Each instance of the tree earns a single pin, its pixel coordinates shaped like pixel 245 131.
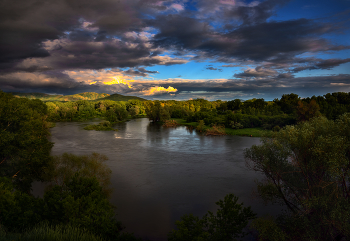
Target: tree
pixel 234 104
pixel 134 111
pixel 288 102
pixel 307 111
pixel 24 146
pixel 81 202
pixel 67 165
pixel 19 210
pixel 156 111
pixel 306 169
pixel 228 223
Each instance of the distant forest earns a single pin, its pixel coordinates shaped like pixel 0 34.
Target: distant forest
pixel 235 114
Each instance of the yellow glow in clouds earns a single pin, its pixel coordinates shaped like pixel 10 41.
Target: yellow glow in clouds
pixel 159 90
pixel 116 81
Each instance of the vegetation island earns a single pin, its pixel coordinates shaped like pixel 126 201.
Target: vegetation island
pixel 304 156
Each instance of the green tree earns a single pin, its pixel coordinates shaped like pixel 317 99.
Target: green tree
pixel 67 165
pixel 81 202
pixel 228 223
pixel 234 104
pixel 306 169
pixel 134 111
pixel 307 111
pixel 288 103
pixel 156 111
pixel 19 210
pixel 24 146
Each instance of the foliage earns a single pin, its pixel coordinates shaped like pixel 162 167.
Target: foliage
pixel 76 97
pixel 81 202
pixel 288 103
pixel 307 111
pixel 44 232
pixel 236 125
pixel 201 126
pixel 253 132
pixel 19 210
pixel 156 111
pixel 24 146
pixel 215 130
pixel 306 168
pixel 102 126
pixel 134 111
pixel 67 165
pixel 170 123
pixel 228 223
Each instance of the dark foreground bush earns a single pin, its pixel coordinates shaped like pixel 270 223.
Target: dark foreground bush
pixel 44 232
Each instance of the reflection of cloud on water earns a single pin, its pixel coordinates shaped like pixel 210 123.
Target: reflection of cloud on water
pixel 128 136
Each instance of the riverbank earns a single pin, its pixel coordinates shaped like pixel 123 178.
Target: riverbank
pixel 253 132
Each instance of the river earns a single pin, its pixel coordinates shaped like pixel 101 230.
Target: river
pixel 160 174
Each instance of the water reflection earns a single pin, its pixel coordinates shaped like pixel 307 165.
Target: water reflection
pixel 160 174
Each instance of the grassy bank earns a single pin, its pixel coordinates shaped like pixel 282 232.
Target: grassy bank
pixel 254 132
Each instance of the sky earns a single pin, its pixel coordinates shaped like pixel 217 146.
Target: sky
pixel 176 49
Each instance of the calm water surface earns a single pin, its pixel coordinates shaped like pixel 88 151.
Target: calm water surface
pixel 160 174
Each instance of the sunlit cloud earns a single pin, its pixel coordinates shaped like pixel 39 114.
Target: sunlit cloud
pixel 177 7
pixel 117 81
pixel 158 90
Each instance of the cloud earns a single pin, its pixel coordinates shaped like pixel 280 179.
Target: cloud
pixel 158 90
pixel 177 7
pixel 74 46
pixel 24 26
pixel 256 73
pixel 246 41
pixel 212 68
pixel 321 64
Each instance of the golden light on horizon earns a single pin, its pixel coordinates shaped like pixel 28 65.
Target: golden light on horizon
pixel 117 80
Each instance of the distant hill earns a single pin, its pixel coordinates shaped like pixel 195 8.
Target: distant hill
pixel 76 97
pixel 118 97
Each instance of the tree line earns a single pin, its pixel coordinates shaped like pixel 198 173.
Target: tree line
pixel 235 114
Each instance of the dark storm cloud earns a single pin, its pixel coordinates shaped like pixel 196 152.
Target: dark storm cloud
pixel 24 25
pixel 322 64
pixel 258 41
pixel 37 82
pixel 42 40
pixel 270 40
pixel 139 72
pixel 180 31
pixel 249 15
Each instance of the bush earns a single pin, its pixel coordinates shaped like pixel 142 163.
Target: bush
pixel 228 224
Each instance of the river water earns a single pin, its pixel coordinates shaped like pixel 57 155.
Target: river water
pixel 160 174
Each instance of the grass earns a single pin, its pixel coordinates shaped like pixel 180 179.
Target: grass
pixel 102 126
pixel 254 132
pixel 170 123
pixel 216 131
pixel 45 232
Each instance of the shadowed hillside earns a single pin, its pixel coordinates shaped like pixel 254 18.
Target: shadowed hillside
pixel 118 97
pixel 76 97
